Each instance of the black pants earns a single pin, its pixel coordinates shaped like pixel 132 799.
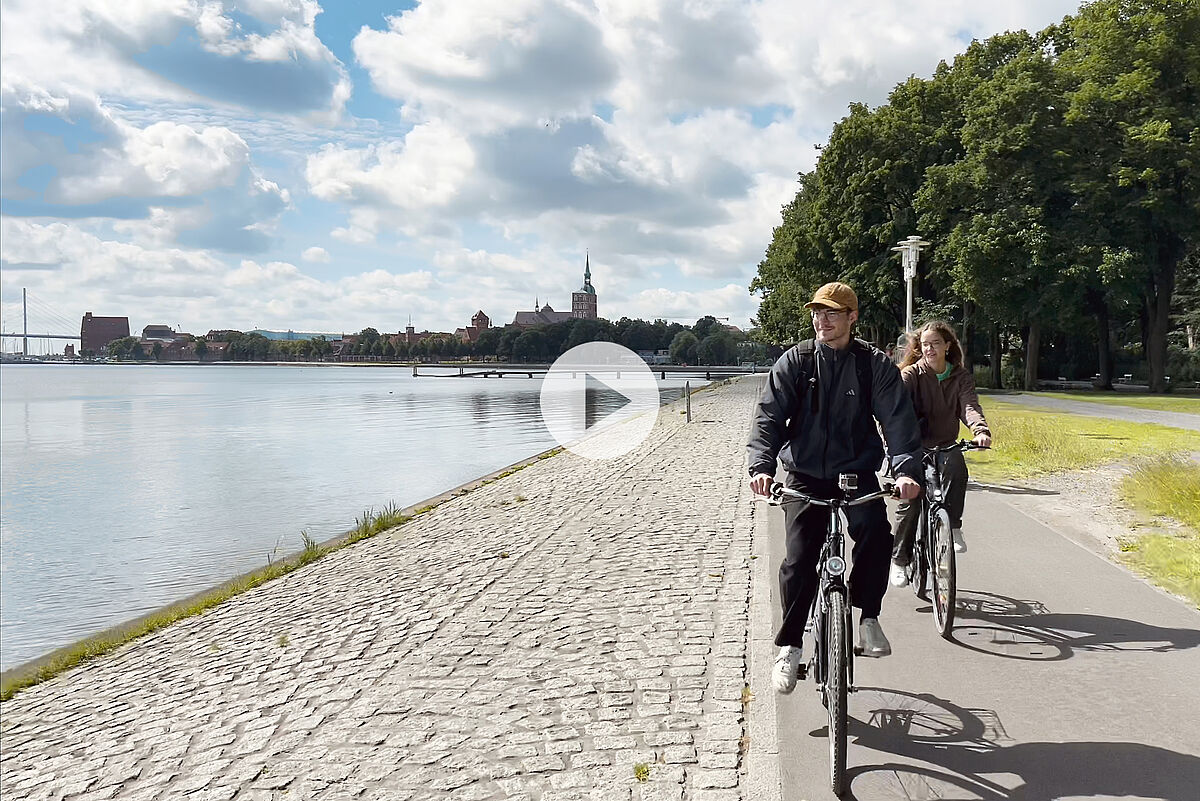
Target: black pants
pixel 806 525
pixel 954 487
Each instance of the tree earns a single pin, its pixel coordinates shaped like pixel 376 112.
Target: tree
pixel 1014 245
pixel 716 348
pixel 683 348
pixel 321 347
pixel 156 351
pixel 1135 106
pixel 201 348
pixel 488 342
pixel 530 346
pixel 504 351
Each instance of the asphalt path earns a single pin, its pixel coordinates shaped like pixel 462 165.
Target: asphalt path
pixel 1110 411
pixel 1067 677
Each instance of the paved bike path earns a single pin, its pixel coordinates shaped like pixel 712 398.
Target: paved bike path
pixel 1067 678
pixel 1107 410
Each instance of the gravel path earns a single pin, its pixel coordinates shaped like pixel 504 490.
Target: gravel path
pixel 1108 410
pixel 536 639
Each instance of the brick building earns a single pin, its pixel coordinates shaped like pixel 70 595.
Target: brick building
pixel 96 332
pixel 480 322
pixel 583 305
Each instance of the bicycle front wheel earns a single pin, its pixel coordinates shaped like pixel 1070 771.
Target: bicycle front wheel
pixel 942 573
pixel 918 566
pixel 836 685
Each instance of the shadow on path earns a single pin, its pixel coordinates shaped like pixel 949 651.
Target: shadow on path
pixel 1007 489
pixel 1018 629
pixel 965 755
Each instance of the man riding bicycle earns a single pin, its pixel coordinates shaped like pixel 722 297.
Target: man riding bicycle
pixel 943 394
pixel 817 416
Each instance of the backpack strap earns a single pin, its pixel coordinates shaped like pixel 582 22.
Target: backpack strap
pixel 862 366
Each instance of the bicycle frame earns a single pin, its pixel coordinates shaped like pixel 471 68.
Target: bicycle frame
pixel 934 561
pixel 832 564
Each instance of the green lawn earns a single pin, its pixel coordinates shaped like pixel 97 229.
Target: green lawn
pixel 1030 441
pixel 1159 403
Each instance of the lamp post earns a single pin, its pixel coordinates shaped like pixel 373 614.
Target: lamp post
pixel 910 252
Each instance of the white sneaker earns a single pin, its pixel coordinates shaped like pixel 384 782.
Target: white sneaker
pixel 872 639
pixel 960 545
pixel 787 668
pixel 899 577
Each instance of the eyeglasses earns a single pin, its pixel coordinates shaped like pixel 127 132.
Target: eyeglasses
pixel 828 315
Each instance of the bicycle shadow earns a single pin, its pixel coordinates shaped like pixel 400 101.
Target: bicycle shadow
pixel 964 750
pixel 1007 489
pixel 1018 629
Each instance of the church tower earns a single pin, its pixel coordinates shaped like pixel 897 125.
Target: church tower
pixel 583 302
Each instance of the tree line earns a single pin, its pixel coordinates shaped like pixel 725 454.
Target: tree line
pixel 707 342
pixel 1057 177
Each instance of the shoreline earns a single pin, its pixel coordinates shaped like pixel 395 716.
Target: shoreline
pixel 122 630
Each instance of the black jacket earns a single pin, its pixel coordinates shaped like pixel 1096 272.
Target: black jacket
pixel 834 438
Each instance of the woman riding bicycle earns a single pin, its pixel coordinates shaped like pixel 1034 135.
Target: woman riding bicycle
pixel 943 393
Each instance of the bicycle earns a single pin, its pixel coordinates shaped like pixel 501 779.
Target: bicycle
pixel 832 659
pixel 933 566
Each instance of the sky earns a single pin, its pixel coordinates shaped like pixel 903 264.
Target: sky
pixel 281 164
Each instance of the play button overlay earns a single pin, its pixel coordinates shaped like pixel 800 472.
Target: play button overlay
pixel 599 400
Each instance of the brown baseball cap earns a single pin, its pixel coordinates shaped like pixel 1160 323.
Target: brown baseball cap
pixel 834 295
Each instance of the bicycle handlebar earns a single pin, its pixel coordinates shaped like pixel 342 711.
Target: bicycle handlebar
pixel 961 445
pixel 778 491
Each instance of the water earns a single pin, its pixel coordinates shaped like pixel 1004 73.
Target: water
pixel 128 487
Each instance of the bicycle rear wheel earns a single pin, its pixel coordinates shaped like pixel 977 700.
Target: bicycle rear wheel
pixel 836 684
pixel 942 573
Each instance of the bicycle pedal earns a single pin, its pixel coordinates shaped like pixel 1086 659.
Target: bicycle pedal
pixel 802 673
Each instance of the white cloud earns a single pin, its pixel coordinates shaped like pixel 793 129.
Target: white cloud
pixel 318 254
pixel 401 182
pixel 483 64
pixel 81 270
pixel 155 50
pixel 195 187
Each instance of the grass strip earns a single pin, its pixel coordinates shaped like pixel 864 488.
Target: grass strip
pixel 1030 442
pixel 1167 486
pixel 367 525
pixel 1172 561
pixel 1158 403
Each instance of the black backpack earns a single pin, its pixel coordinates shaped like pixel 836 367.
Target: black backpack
pixel 807 388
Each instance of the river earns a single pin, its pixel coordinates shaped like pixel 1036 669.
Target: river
pixel 128 487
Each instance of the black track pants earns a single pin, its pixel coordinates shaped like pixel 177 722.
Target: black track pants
pixel 806 526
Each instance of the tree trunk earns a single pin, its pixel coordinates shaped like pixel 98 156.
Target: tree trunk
pixel 1104 364
pixel 1158 312
pixel 1191 338
pixel 1033 343
pixel 997 376
pixel 964 337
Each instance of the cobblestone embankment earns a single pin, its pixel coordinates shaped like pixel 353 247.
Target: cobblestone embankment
pixel 552 636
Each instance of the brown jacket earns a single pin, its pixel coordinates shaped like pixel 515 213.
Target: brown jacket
pixel 939 408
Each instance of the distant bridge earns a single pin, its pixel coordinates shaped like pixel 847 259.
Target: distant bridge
pixel 499 370
pixel 45 317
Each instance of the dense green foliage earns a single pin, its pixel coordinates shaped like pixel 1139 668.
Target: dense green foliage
pixel 1057 176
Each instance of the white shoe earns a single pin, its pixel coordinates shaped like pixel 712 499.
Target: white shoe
pixel 899 576
pixel 872 639
pixel 787 668
pixel 960 545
